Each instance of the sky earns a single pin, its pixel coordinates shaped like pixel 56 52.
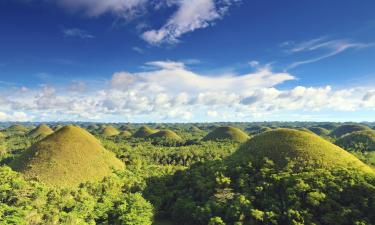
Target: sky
pixel 187 60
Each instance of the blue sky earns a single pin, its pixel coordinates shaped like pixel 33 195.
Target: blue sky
pixel 181 61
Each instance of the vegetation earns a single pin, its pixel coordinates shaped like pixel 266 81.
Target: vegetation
pixel 68 157
pixel 175 176
pixel 347 129
pixel 226 133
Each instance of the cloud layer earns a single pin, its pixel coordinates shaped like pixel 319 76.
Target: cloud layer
pixel 172 92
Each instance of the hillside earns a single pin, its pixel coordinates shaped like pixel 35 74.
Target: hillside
pixel 358 141
pixel 302 148
pixel 226 133
pixel 109 131
pixel 165 134
pixel 143 132
pixel 40 132
pixel 348 128
pixel 319 131
pixel 68 157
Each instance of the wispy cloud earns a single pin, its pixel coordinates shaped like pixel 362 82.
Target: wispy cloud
pixel 330 48
pixel 191 15
pixel 77 33
pixel 138 49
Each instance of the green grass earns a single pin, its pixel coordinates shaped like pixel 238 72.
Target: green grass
pixel 66 158
pixel 302 148
pixel 348 128
pixel 143 132
pixel 109 131
pixel 166 134
pixel 227 133
pixel 40 132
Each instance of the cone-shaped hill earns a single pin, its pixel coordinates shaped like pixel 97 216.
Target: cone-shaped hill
pixel 67 158
pixel 348 128
pixel 109 131
pixel 125 134
pixel 302 148
pixel 319 131
pixel 17 128
pixel 358 141
pixel 40 132
pixel 166 134
pixel 227 133
pixel 143 132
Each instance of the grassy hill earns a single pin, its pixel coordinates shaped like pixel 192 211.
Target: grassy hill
pixel 143 132
pixel 109 131
pixel 125 134
pixel 358 141
pixel 302 148
pixel 319 131
pixel 40 132
pixel 66 158
pixel 226 133
pixel 348 128
pixel 16 128
pixel 166 134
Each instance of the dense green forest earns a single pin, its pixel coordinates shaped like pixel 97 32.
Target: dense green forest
pixel 166 174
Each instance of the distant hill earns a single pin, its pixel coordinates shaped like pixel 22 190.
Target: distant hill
pixel 67 158
pixel 16 128
pixel 125 134
pixel 348 128
pixel 319 131
pixel 302 148
pixel 40 132
pixel 143 132
pixel 358 141
pixel 226 133
pixel 166 134
pixel 109 131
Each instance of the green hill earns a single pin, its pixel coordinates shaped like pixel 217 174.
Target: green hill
pixel 40 132
pixel 66 158
pixel 143 132
pixel 109 131
pixel 227 133
pixel 348 128
pixel 358 141
pixel 125 134
pixel 319 131
pixel 166 134
pixel 302 148
pixel 125 128
pixel 16 128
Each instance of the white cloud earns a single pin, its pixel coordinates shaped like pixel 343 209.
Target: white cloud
pixel 191 15
pixel 171 92
pixel 120 8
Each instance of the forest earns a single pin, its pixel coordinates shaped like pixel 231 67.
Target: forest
pixel 190 174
